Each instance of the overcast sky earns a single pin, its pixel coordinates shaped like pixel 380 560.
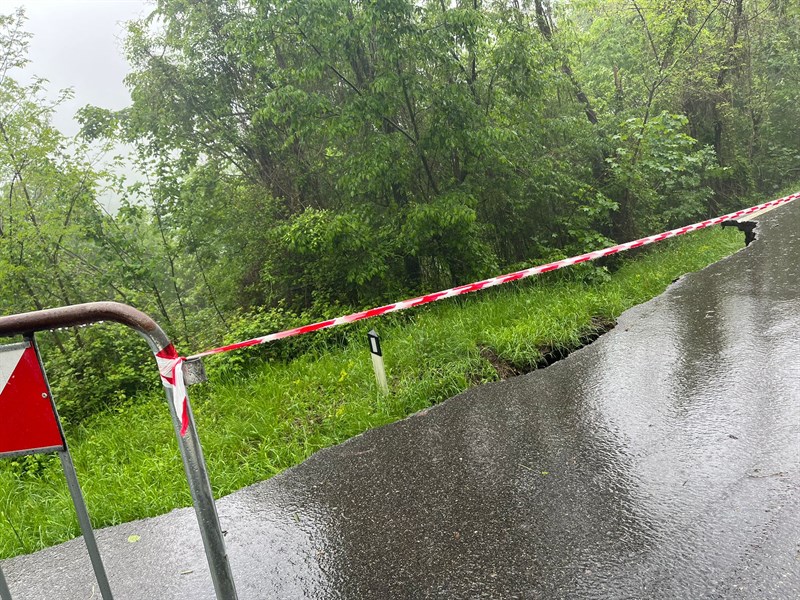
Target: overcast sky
pixel 78 44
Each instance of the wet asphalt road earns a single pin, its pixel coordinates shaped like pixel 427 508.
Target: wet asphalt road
pixel 662 461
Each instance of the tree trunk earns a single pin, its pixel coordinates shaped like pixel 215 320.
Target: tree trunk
pixel 545 26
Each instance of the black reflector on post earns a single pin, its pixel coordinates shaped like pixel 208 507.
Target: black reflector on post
pixel 377 361
pixel 374 343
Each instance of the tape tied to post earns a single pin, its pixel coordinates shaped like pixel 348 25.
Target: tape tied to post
pixel 170 366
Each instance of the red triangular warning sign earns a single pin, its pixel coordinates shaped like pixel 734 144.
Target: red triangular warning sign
pixel 28 420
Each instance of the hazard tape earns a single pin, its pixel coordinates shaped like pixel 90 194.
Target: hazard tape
pixel 486 283
pixel 170 366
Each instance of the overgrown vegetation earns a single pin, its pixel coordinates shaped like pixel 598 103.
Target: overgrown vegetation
pixel 255 423
pixel 304 158
pixel 297 159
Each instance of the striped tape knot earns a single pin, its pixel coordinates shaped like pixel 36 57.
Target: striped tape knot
pixel 170 366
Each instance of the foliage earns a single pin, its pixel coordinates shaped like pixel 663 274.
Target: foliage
pixel 99 372
pixel 348 152
pixel 300 159
pixel 303 158
pixel 254 425
pixel 396 147
pixel 659 164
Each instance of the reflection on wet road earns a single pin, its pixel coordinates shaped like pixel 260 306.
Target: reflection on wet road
pixel 662 461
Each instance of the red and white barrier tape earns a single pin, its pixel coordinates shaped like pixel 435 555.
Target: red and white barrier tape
pixel 170 366
pixel 479 285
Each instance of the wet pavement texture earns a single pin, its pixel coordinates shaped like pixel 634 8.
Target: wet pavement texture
pixel 659 462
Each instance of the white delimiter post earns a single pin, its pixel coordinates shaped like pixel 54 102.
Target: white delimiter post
pixel 377 361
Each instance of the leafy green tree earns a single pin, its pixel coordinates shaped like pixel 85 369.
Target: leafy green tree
pixel 372 147
pixel 297 158
pixel 54 238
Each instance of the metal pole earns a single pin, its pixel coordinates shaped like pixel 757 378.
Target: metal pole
pixel 204 506
pixel 86 525
pixel 77 496
pixel 4 593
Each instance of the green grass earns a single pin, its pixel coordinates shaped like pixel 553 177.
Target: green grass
pixel 255 426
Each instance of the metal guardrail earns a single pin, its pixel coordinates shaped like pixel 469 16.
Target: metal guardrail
pixel 27 324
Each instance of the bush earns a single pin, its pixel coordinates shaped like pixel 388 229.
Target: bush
pixel 96 369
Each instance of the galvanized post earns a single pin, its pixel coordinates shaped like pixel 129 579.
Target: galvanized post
pixel 77 496
pixel 4 593
pixel 204 505
pixel 86 525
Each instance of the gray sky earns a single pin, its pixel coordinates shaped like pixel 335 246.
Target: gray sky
pixel 78 44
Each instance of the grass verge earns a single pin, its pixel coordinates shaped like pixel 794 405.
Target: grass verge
pixel 257 425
